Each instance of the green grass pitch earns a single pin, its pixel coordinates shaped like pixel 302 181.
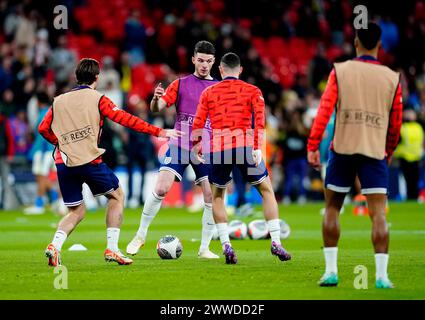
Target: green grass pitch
pixel 24 273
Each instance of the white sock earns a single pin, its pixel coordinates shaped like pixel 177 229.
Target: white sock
pixel 274 230
pixel 208 226
pixel 331 257
pixel 223 233
pixel 112 236
pixel 58 239
pixel 152 205
pixel 381 263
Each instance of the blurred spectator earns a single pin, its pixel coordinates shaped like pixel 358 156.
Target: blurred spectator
pixel 301 85
pixel 6 76
pixel 108 76
pixel 140 152
pixel 25 31
pixel 319 67
pixel 42 163
pixel 6 104
pixel 312 104
pixel 21 133
pixel 270 87
pixel 11 21
pixel 41 53
pixel 23 82
pixel 410 151
pixel 7 152
pixel 135 37
pixel 295 161
pixel 62 62
pixel 125 74
pixel 390 36
pixel 421 108
pixel 109 83
pixel 336 20
pixel 307 26
pixel 347 53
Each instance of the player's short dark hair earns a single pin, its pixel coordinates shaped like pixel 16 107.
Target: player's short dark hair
pixel 231 60
pixel 42 97
pixel 87 70
pixel 205 47
pixel 369 37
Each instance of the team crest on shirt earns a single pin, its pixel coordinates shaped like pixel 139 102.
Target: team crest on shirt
pixel 167 160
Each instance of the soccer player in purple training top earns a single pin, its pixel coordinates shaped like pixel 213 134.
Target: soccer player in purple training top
pixel 184 93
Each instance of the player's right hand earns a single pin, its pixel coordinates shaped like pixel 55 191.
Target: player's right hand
pixel 257 156
pixel 197 150
pixel 313 158
pixel 159 91
pixel 171 133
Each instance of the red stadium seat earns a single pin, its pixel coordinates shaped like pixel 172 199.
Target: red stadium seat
pixel 112 51
pixel 333 53
pixel 85 19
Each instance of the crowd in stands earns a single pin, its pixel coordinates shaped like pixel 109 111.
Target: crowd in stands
pixel 287 49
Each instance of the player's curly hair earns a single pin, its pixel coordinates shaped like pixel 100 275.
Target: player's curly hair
pixel 205 47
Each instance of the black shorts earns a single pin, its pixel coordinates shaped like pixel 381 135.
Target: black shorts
pixel 223 163
pixel 100 179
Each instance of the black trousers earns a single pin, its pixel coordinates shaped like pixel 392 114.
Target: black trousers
pixel 410 172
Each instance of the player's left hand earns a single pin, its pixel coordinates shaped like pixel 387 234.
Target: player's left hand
pixel 257 156
pixel 313 158
pixel 171 133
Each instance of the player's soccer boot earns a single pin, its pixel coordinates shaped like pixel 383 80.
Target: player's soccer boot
pixel 134 245
pixel 229 254
pixel 277 250
pixel 117 256
pixel 53 255
pixel 207 254
pixel 383 284
pixel 329 280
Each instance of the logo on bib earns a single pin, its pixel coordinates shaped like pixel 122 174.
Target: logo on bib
pixel 76 135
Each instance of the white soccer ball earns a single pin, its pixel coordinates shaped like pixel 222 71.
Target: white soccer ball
pixel 169 247
pixel 237 229
pixel 285 230
pixel 257 229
